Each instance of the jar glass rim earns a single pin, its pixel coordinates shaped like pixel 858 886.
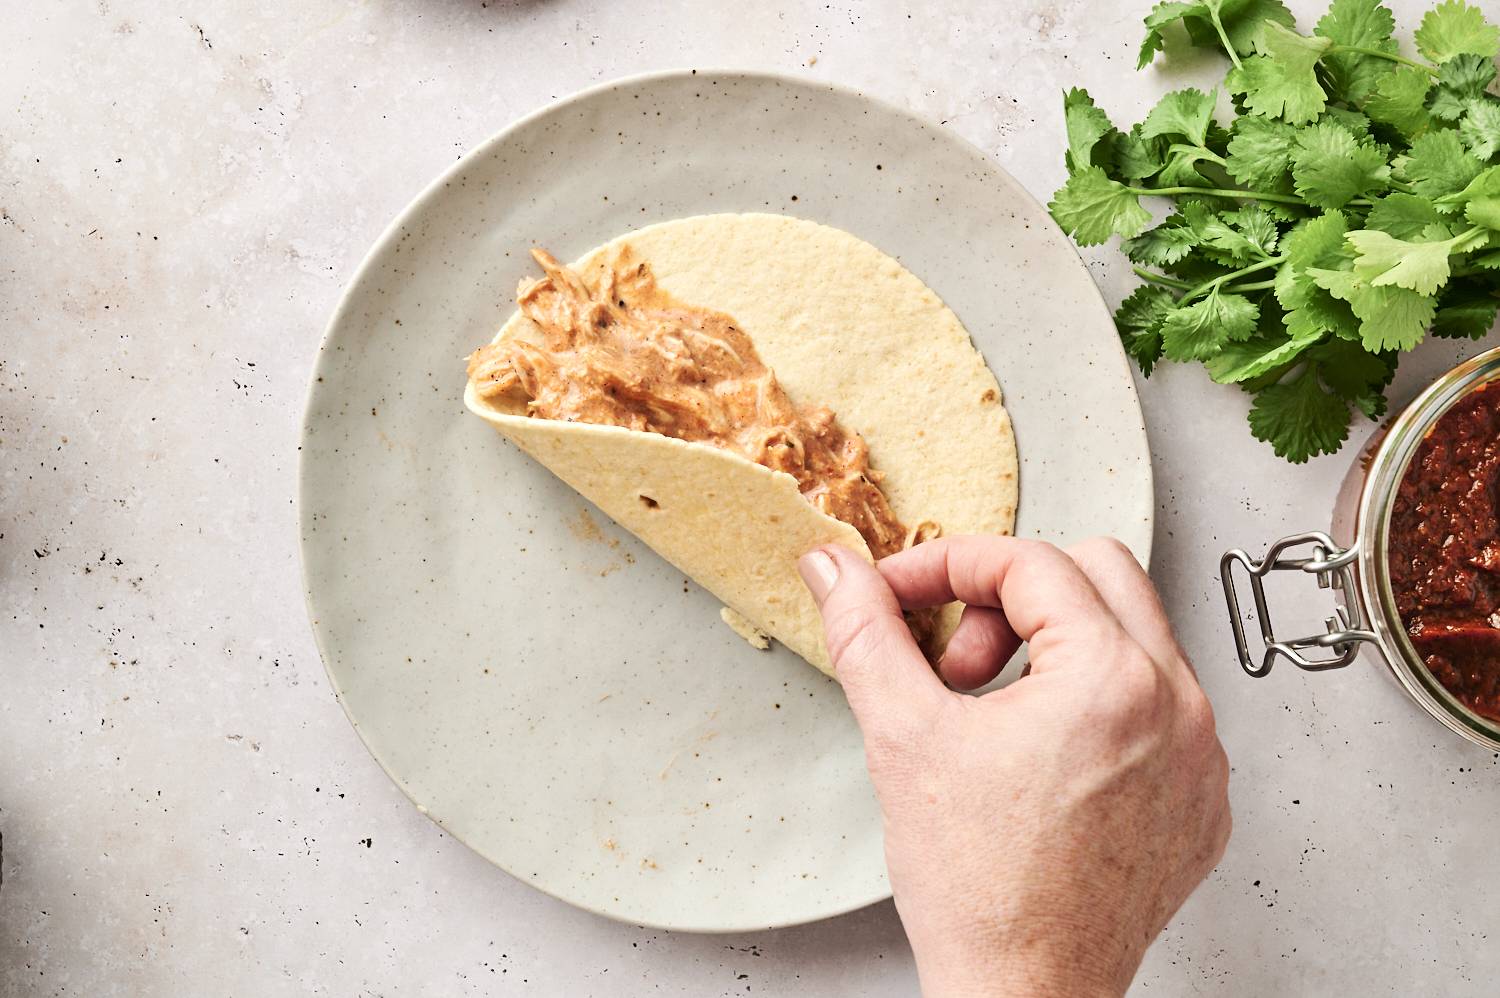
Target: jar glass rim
pixel 1386 471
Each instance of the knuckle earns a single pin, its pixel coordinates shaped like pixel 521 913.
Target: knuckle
pixel 1200 727
pixel 1102 548
pixel 1143 688
pixel 1037 548
pixel 1132 696
pixel 1219 835
pixel 1221 773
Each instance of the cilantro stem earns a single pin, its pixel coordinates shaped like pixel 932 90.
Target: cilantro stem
pixel 1219 192
pixel 1253 286
pixel 1393 57
pixel 1213 15
pixel 1219 282
pixel 1161 279
pixel 1172 282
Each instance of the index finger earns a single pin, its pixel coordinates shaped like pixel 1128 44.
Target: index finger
pixel 1034 583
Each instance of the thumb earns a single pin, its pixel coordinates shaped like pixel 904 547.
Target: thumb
pixel 873 652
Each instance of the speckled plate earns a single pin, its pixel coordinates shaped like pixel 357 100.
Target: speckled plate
pixel 537 681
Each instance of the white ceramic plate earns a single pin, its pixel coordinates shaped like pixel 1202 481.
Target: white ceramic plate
pixel 539 683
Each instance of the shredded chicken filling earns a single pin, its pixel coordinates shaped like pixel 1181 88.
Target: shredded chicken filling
pixel 626 354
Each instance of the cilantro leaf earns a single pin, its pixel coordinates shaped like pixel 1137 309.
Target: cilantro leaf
pixel 1086 125
pixel 1186 113
pixel 1220 242
pixel 1356 123
pixel 1331 167
pixel 1321 313
pixel 1260 150
pixel 1200 330
pixel 1282 82
pixel 1181 168
pixel 1460 80
pixel 1382 260
pixel 1360 24
pixel 1349 370
pixel 1437 165
pixel 1091 208
pixel 1480 199
pixel 1242 20
pixel 1139 320
pixel 1256 225
pixel 1165 244
pixel 1299 419
pixel 1453 28
pixel 1480 128
pixel 1404 216
pixel 1467 311
pixel 1390 318
pixel 1339 316
pixel 1137 158
pixel 1164 13
pixel 1485 183
pixel 1241 236
pixel 1400 100
pixel 1484 211
pixel 1261 354
pixel 1316 243
pixel 1354 374
pixel 1199 268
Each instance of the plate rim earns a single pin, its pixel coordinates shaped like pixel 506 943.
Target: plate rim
pixel 380 247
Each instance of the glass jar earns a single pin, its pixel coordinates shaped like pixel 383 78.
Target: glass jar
pixel 1351 560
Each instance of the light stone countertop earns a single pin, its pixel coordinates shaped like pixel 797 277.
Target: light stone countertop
pixel 184 190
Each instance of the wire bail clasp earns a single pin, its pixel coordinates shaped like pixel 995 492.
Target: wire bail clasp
pixel 1332 566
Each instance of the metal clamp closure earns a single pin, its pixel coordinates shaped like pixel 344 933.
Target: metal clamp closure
pixel 1333 567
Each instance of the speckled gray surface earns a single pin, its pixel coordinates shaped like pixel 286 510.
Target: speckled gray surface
pixel 184 809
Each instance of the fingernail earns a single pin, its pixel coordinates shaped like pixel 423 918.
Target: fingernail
pixel 819 573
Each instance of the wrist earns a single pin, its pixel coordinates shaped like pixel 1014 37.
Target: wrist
pixel 1012 981
pixel 1070 963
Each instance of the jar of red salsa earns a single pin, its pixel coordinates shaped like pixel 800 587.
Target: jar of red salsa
pixel 1412 558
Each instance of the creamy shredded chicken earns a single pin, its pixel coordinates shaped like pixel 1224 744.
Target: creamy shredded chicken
pixel 626 354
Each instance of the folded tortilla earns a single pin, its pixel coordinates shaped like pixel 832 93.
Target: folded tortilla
pixel 842 325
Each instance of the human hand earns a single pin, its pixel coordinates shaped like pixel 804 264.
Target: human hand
pixel 1040 836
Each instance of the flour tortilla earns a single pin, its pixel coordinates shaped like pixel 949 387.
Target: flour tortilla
pixel 843 325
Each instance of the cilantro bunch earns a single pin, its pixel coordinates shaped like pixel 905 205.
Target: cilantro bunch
pixel 1352 205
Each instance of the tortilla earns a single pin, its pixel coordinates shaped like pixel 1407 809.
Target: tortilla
pixel 841 324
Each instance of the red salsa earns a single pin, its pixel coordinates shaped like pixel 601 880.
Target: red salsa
pixel 1445 550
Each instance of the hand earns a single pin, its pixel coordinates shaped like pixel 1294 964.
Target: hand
pixel 1040 836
